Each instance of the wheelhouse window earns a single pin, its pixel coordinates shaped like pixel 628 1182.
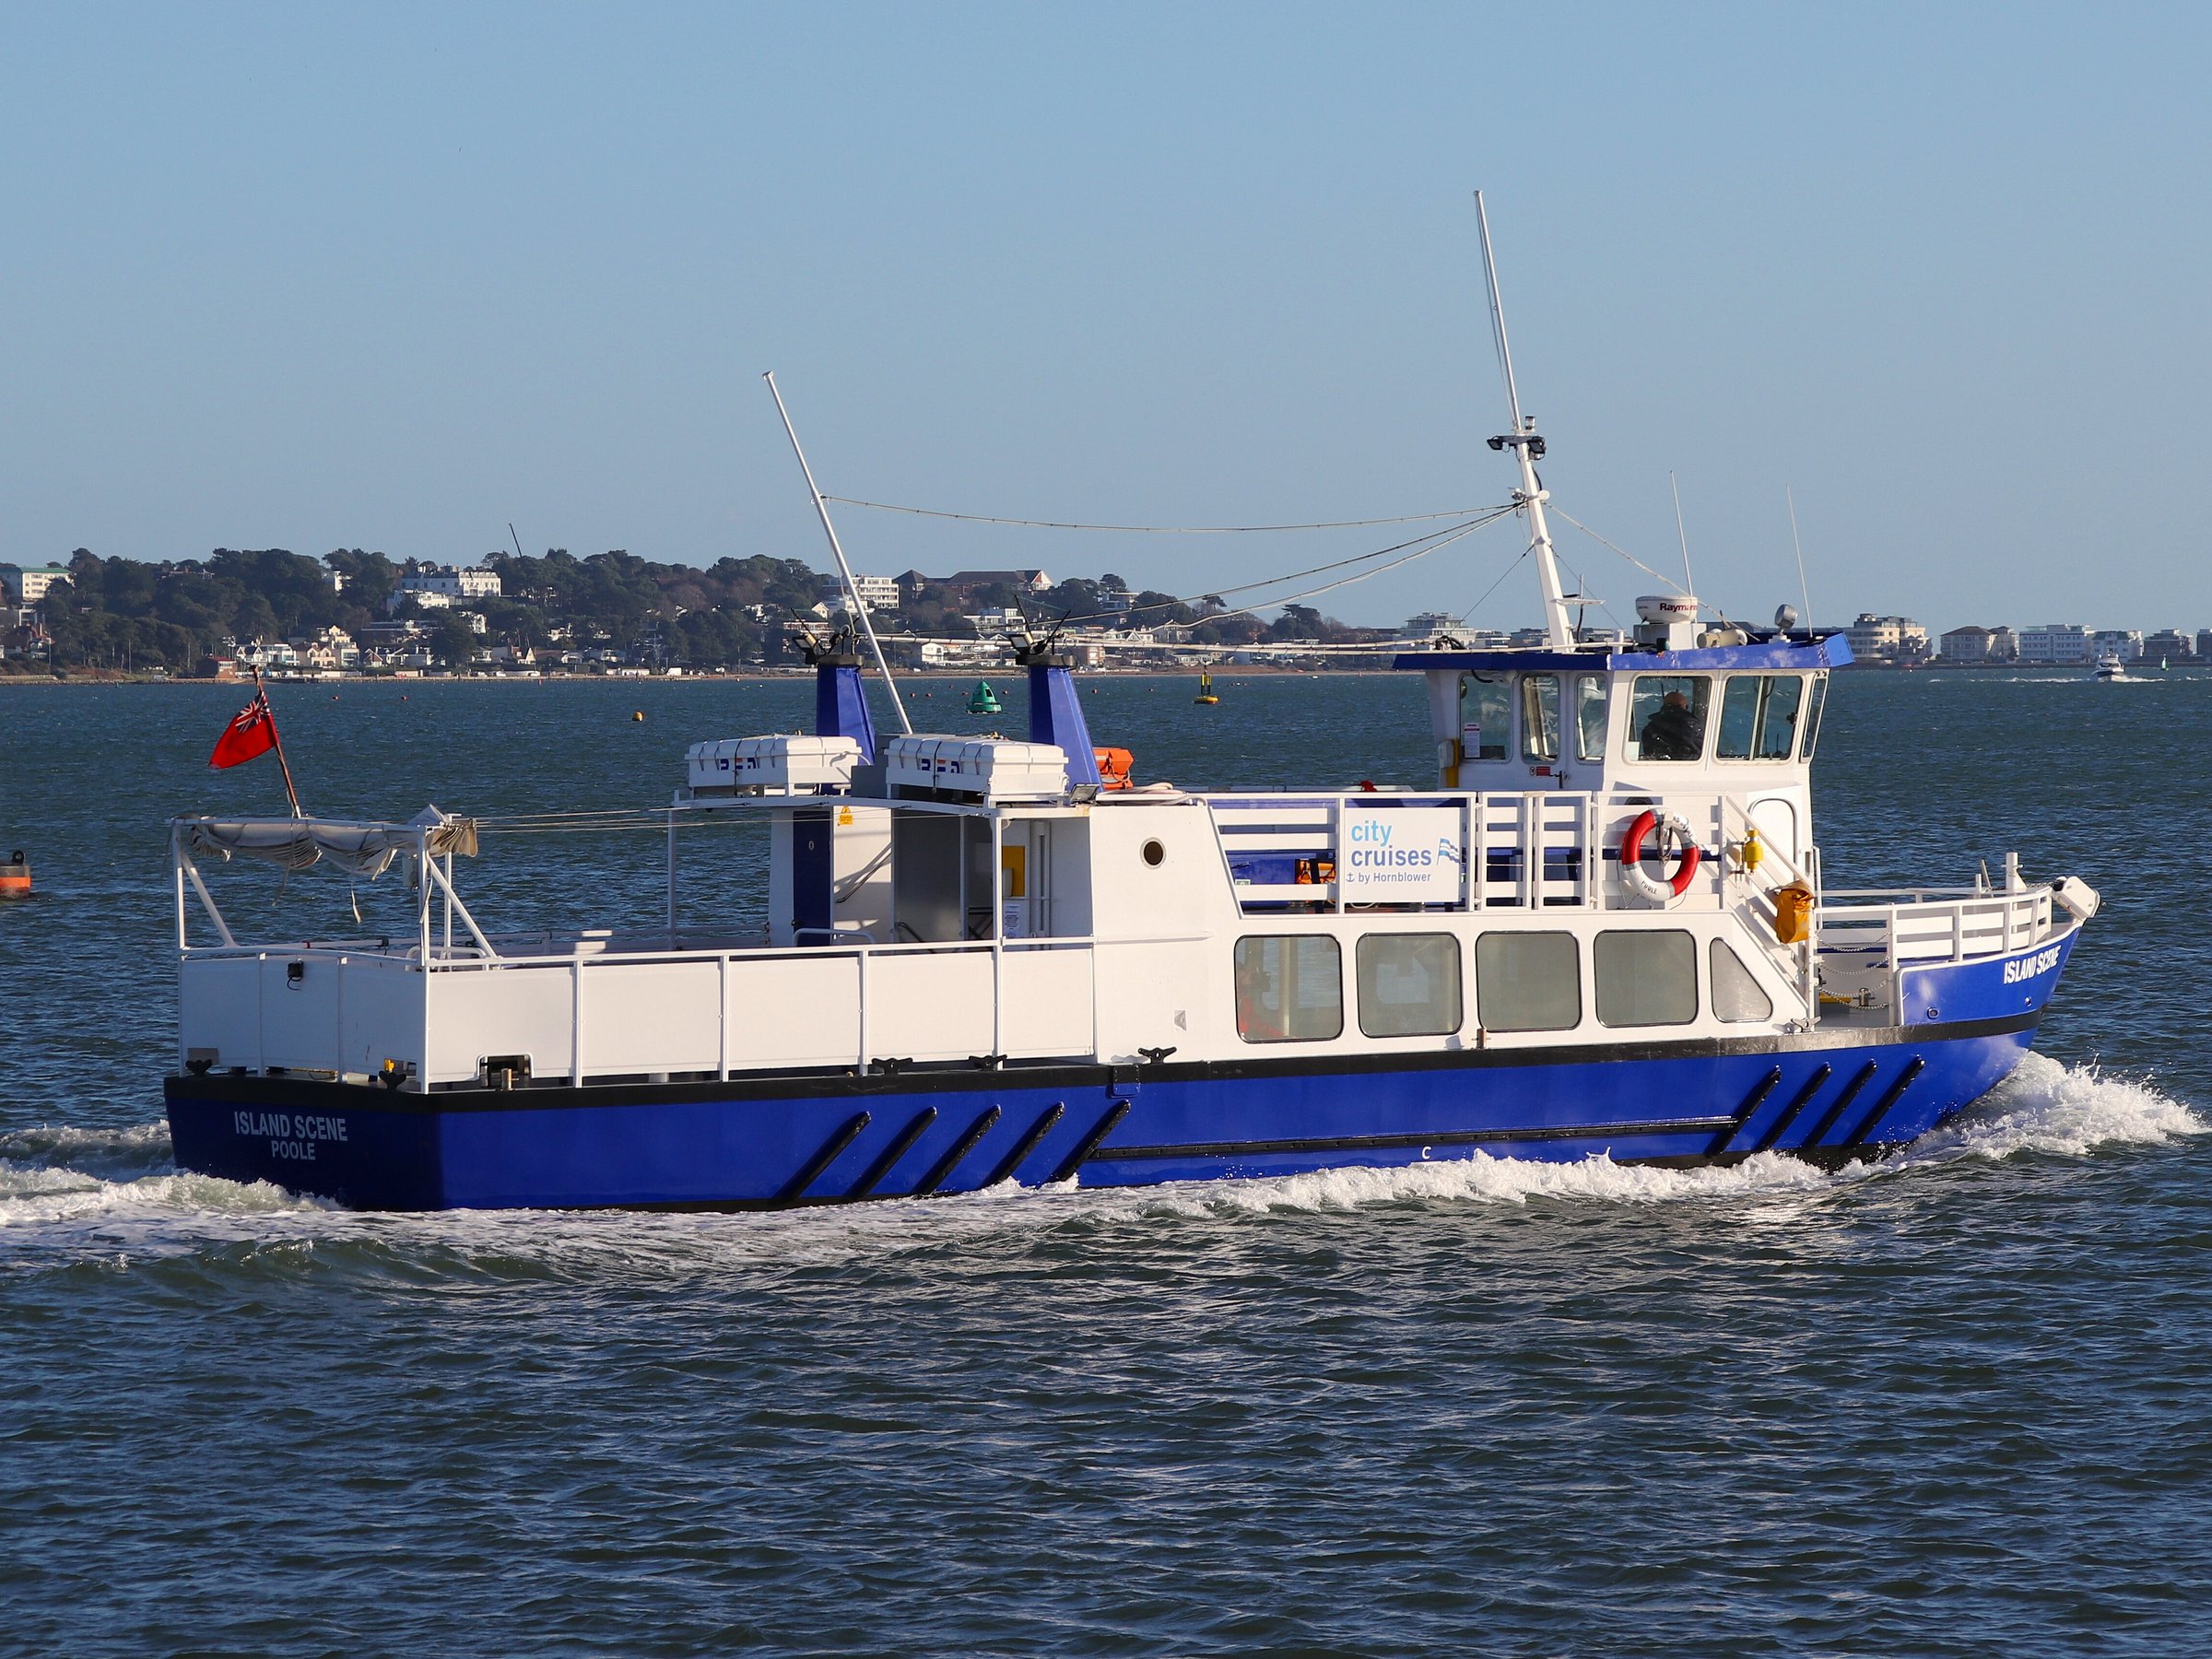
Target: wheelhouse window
pixel 1646 976
pixel 1540 717
pixel 1759 717
pixel 1666 716
pixel 1528 981
pixel 1408 984
pixel 1813 704
pixel 1589 718
pixel 1289 988
pixel 1486 714
pixel 1736 997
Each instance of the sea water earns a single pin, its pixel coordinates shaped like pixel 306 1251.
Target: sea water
pixel 1952 1404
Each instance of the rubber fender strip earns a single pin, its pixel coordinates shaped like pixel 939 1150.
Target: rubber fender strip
pixel 1752 1102
pixel 1889 1098
pixel 1075 1160
pixel 1789 1113
pixel 1027 1144
pixel 843 1136
pixel 1851 1092
pixel 891 1154
pixel 942 1170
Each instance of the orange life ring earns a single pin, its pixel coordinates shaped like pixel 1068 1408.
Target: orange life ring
pixel 1673 830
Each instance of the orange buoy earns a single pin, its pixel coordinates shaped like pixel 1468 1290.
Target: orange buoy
pixel 15 877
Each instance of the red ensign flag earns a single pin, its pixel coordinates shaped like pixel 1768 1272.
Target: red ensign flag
pixel 252 731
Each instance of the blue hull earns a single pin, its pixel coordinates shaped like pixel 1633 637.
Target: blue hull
pixel 1829 1095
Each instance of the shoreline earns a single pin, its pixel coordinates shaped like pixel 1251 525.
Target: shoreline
pixel 110 676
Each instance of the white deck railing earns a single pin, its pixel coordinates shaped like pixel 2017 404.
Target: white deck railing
pixel 1911 927
pixel 1519 849
pixel 347 1010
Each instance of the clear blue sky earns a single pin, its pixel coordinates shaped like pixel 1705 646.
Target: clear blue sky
pixel 388 277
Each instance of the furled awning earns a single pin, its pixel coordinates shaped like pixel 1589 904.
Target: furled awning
pixel 359 849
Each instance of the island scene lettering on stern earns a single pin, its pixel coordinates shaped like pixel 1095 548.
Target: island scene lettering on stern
pixel 290 1134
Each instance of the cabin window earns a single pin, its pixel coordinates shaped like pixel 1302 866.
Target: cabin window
pixel 1540 717
pixel 1408 984
pixel 1778 708
pixel 1813 704
pixel 1589 718
pixel 1666 716
pixel 1646 976
pixel 1289 988
pixel 1528 981
pixel 1739 713
pixel 1736 997
pixel 1486 710
pixel 1759 717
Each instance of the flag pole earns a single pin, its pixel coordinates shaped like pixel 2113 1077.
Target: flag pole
pixel 277 737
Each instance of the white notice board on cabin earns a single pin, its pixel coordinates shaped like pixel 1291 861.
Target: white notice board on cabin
pixel 1401 855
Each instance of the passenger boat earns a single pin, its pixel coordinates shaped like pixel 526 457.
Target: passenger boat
pixel 1600 928
pixel 2109 668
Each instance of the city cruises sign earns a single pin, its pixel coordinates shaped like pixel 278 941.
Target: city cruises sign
pixel 1402 855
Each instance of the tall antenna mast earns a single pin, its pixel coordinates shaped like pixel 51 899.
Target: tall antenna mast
pixel 1691 589
pixel 1528 449
pixel 1803 592
pixel 860 608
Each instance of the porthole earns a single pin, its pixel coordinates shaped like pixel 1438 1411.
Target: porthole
pixel 1155 854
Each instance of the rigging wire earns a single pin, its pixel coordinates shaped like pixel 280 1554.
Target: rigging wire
pixel 1498 583
pixel 1719 614
pixel 1437 538
pixel 1673 585
pixel 979 518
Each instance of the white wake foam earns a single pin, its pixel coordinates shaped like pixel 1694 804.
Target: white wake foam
pixel 1485 1179
pixel 2069 1111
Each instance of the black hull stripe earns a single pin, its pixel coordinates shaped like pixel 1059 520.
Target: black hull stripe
pixel 1842 1104
pixel 1071 1074
pixel 1752 1102
pixel 1881 1107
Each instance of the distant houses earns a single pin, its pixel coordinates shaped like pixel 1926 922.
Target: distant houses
pixel 2068 644
pixel 27 585
pixel 1887 639
pixel 441 587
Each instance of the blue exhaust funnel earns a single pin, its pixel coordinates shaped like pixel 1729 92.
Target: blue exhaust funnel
pixel 840 702
pixel 1056 711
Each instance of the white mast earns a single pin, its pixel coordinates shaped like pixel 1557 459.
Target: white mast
pixel 860 608
pixel 1528 449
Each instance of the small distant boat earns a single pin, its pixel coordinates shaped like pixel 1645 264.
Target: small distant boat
pixel 984 701
pixel 1205 688
pixel 15 877
pixel 2109 668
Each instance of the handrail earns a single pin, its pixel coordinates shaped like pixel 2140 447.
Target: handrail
pixel 1944 930
pixel 1799 958
pixel 1916 894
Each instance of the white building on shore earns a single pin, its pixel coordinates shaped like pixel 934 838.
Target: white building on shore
pixel 1974 644
pixel 2055 643
pixel 434 585
pixel 2127 644
pixel 1887 639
